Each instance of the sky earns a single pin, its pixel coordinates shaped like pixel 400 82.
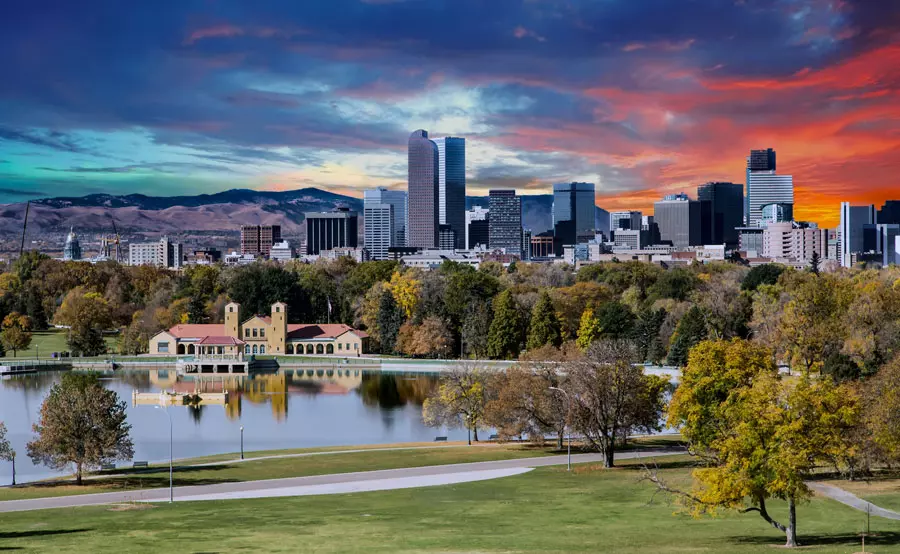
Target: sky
pixel 640 97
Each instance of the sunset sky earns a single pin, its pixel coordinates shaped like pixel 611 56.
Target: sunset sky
pixel 641 97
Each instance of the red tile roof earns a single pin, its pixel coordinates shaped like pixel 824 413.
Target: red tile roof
pixel 301 331
pixel 197 330
pixel 309 331
pixel 221 341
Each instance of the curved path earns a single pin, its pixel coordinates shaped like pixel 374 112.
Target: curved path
pixel 850 499
pixel 338 483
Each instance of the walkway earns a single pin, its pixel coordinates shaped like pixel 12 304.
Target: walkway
pixel 850 499
pixel 326 484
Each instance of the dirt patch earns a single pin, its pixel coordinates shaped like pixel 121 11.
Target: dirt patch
pixel 129 506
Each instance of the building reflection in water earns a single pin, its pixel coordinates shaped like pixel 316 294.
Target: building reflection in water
pixel 378 390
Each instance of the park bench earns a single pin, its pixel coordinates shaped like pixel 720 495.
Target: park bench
pixel 440 439
pixel 140 464
pixel 106 467
pixel 494 437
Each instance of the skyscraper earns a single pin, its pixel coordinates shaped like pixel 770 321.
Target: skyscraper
pixel 726 211
pixel 477 227
pixel 423 182
pixel 452 185
pixel 257 240
pixel 678 218
pixel 575 202
pixel 505 222
pixel 378 222
pixel 330 230
pixel 398 200
pixel 625 220
pixel 855 222
pixel 889 212
pixel 764 186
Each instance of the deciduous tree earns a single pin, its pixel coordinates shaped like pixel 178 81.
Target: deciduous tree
pixel 81 423
pixel 459 400
pixel 589 330
pixel 7 454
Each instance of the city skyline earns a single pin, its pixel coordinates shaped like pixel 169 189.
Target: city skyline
pixel 190 101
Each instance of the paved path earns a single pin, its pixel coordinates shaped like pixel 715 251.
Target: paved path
pixel 850 499
pixel 335 483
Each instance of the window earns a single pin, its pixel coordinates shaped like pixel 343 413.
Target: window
pixel 262 348
pixel 247 349
pixel 231 309
pixel 339 346
pixel 262 332
pixel 254 349
pixel 348 346
pixel 355 347
pixel 163 347
pixel 254 331
pixel 277 309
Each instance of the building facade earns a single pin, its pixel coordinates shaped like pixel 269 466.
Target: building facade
pixel 625 220
pixel 889 212
pixel 765 187
pixel 477 227
pixel 854 224
pixel 759 160
pixel 257 240
pixel 258 335
pixel 378 232
pixel 72 248
pixel 726 211
pixel 423 181
pixel 887 241
pixel 452 186
pixel 575 202
pixel 505 222
pixel 162 253
pixel 795 242
pixel 542 245
pixel 281 251
pixel 329 230
pixel 776 213
pixel 446 237
pixel 678 219
pixel 398 199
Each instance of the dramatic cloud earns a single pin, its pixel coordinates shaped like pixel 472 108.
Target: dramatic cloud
pixel 641 98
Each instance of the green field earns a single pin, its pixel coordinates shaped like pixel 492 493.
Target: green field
pixel 546 510
pixel 46 343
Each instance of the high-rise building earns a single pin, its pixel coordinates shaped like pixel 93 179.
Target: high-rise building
pixel 505 221
pixel 396 198
pixel 855 222
pixel 526 244
pixel 477 227
pixel 423 182
pixel 776 213
pixel 72 248
pixel 575 202
pixel 162 253
pixel 649 226
pixel 794 241
pixel 629 220
pixel 678 218
pixel 281 251
pixel 761 160
pixel 257 240
pixel 889 212
pixel 888 243
pixel 446 237
pixel 765 187
pixel 452 185
pixel 726 211
pixel 542 245
pixel 379 233
pixel 601 220
pixel 330 230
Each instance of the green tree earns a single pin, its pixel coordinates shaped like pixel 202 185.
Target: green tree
pixel 690 331
pixel 766 274
pixel 15 333
pixel 505 335
pixel 476 328
pixel 7 454
pixel 841 368
pixel 616 320
pixel 87 315
pixel 589 330
pixel 259 285
pixel 458 401
pixel 814 263
pixel 390 319
pixel 646 335
pixel 81 423
pixel 544 328
pixel 197 310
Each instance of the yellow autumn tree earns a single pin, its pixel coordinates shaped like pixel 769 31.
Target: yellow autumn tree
pixel 406 287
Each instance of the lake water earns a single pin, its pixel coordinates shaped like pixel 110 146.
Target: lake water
pixel 290 409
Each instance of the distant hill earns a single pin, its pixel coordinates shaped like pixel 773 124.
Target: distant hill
pixel 209 212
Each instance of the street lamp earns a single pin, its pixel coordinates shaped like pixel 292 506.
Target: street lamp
pixel 14 467
pixel 242 442
pixel 171 485
pixel 568 432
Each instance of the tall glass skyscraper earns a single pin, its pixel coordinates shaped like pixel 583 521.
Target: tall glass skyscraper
pixel 452 186
pixel 764 186
pixel 856 221
pixel 574 202
pixel 505 221
pixel 423 182
pixel 398 200
pixel 726 211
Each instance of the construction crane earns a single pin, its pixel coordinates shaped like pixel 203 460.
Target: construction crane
pixel 24 226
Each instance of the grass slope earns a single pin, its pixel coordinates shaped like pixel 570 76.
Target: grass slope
pixel 46 343
pixel 546 510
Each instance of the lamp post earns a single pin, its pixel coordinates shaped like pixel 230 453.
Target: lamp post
pixel 568 432
pixel 242 442
pixel 171 485
pixel 14 468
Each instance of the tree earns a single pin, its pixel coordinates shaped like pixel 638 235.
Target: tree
pixel 524 404
pixel 197 312
pixel 616 320
pixel 690 331
pixel 505 335
pixel 725 308
pixel 766 274
pixel 646 335
pixel 458 401
pixel 390 319
pixel 611 397
pixel 814 263
pixel 811 327
pixel 259 285
pixel 841 368
pixel 7 454
pixel 432 339
pixel 760 437
pixel 15 334
pixel 881 411
pixel 81 423
pixel 407 290
pixel 589 330
pixel 544 328
pixel 476 326
pixel 87 315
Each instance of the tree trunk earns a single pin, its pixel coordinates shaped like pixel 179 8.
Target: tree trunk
pixel 609 454
pixel 78 473
pixel 559 440
pixel 475 432
pixel 791 530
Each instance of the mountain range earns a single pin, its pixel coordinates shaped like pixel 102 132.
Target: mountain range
pixel 221 211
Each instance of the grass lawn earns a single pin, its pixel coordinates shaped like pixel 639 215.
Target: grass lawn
pixel 546 510
pixel 47 342
pixel 882 490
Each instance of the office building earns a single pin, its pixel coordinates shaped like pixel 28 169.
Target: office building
pixel 446 237
pixel 205 256
pixel 505 221
pixel 758 160
pixel 750 241
pixel 257 240
pixel 625 220
pixel 330 230
pixel 889 212
pixel 378 231
pixel 765 187
pixel 281 251
pixel 542 245
pixel 776 213
pixel 887 242
pixel 162 253
pixel 575 202
pixel 72 248
pixel 601 220
pixel 398 199
pixel 794 241
pixel 856 222
pixel 630 238
pixel 526 244
pixel 651 230
pixel 452 186
pixel 726 211
pixel 477 227
pixel 423 187
pixel 678 218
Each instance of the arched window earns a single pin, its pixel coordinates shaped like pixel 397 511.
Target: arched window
pixel 191 349
pixel 180 349
pixel 309 349
pixel 262 348
pixel 329 349
pixel 247 349
pixel 254 349
pixel 289 349
pixel 319 349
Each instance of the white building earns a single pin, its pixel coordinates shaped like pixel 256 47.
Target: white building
pixel 625 220
pixel 378 221
pixel 239 259
pixel 281 251
pixel 432 258
pixel 765 187
pixel 629 238
pixel 791 241
pixel 163 253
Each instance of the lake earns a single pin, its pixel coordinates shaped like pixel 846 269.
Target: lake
pixel 288 409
